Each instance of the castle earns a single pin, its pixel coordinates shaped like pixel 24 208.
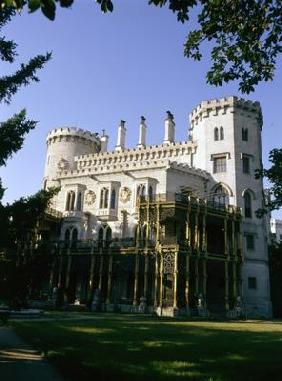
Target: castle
pixel 169 228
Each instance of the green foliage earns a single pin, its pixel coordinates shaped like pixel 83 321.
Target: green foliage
pixel 246 35
pixel 274 176
pixel 19 219
pixel 13 130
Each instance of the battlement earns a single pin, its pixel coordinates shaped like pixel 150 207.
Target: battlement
pixel 223 105
pixel 153 152
pixel 92 169
pixel 64 132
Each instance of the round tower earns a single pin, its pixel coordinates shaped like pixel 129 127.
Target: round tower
pixel 63 145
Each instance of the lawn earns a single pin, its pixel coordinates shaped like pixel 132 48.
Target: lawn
pixel 128 347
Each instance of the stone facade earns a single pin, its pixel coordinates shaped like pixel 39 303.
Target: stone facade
pixel 102 195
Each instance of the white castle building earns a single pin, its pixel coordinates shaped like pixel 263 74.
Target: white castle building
pixel 128 203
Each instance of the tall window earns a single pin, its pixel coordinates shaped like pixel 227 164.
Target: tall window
pixel 113 199
pixel 104 198
pixel 221 196
pixel 245 136
pixel 246 164
pixel 79 201
pixel 100 236
pixel 108 236
pixel 219 164
pixel 141 191
pixel 252 283
pixel 150 193
pixel 74 238
pixel 248 205
pixel 67 236
pixel 215 134
pixel 250 242
pixel 70 201
pixel 221 133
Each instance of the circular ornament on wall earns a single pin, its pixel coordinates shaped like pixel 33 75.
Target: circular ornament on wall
pixel 90 198
pixel 125 194
pixel 63 164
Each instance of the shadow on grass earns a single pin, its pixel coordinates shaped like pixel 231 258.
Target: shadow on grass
pixel 124 348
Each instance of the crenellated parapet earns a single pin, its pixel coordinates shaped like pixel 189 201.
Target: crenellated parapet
pixel 127 168
pixel 222 106
pixel 72 134
pixel 152 152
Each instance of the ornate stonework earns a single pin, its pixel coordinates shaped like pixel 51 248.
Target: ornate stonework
pixel 63 164
pixel 90 197
pixel 168 263
pixel 125 194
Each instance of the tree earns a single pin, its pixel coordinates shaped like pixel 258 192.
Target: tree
pixel 13 130
pixel 274 176
pixel 245 35
pixel 17 221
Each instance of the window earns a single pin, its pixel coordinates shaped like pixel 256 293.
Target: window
pixel 67 236
pixel 219 164
pixel 70 201
pixel 104 198
pixel 216 134
pixel 252 283
pixel 245 134
pixel 248 205
pixel 246 164
pixel 150 193
pixel 141 191
pixel 250 241
pixel 221 133
pixel 113 199
pixel 74 238
pixel 79 201
pixel 221 195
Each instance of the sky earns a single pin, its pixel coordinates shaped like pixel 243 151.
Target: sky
pixel 108 67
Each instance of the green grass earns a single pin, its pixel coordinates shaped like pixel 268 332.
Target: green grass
pixel 126 347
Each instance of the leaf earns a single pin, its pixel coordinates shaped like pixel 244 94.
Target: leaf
pixel 48 8
pixel 33 5
pixel 66 3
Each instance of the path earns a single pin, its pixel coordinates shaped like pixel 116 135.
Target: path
pixel 20 362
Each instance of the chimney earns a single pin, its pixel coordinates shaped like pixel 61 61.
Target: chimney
pixel 142 133
pixel 121 136
pixel 104 142
pixel 169 129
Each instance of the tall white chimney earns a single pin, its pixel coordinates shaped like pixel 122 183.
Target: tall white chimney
pixel 169 128
pixel 104 142
pixel 142 133
pixel 121 136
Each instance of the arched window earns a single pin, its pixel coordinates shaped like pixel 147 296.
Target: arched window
pixel 113 199
pixel 67 236
pixel 141 190
pixel 72 200
pixel 221 195
pixel 248 205
pixel 104 198
pixel 108 235
pixel 221 133
pixel 100 236
pixel 216 134
pixel 68 201
pixel 150 193
pixel 79 201
pixel 74 237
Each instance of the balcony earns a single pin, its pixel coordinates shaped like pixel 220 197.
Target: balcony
pixel 107 214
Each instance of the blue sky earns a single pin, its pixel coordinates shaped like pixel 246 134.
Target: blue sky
pixel 111 67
